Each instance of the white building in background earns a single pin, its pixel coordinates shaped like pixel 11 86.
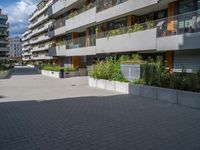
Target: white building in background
pixel 15 45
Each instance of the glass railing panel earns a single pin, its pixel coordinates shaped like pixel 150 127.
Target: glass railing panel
pixel 130 29
pixel 180 24
pixel 76 43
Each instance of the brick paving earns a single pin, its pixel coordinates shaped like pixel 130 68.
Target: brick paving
pixel 111 122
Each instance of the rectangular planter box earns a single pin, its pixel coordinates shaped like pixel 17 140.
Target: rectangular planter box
pixel 135 89
pixel 110 85
pixel 92 82
pixel 71 74
pixel 169 95
pixel 5 74
pixel 101 83
pixel 83 72
pixel 122 87
pixel 190 99
pixel 149 91
pixel 53 74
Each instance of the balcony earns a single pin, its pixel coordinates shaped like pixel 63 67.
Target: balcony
pixel 41 28
pixel 41 57
pixel 26 54
pixel 26 43
pixel 60 5
pixel 40 38
pixel 39 20
pixel 41 47
pixel 181 31
pixel 38 12
pixel 74 47
pixel 82 19
pixel 5 17
pixel 26 58
pixel 4 25
pixel 6 49
pixel 114 8
pixel 139 37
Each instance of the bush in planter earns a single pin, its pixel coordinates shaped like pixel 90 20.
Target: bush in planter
pixel 66 70
pixel 155 74
pixel 51 68
pixel 108 70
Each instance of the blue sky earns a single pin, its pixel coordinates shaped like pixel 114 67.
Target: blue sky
pixel 18 12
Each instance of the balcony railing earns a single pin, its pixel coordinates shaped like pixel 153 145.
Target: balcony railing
pixel 105 4
pixel 76 43
pixel 130 29
pixel 73 14
pixel 180 24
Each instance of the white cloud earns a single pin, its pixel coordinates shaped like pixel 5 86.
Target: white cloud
pixel 18 14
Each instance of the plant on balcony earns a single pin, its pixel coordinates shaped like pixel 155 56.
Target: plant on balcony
pixel 116 32
pixel 135 28
pixel 150 24
pixel 134 59
pixel 73 14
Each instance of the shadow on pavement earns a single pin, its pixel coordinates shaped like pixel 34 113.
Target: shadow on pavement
pixel 121 122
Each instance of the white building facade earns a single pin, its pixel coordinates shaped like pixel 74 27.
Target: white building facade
pixel 15 45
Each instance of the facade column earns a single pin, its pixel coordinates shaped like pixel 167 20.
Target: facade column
pixel 169 55
pixel 129 20
pixel 87 37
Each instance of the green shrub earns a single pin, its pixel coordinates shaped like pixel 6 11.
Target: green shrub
pixel 51 67
pixel 134 59
pixel 155 74
pixel 108 70
pixel 70 69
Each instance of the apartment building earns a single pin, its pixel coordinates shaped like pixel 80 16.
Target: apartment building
pixel 86 30
pixel 4 48
pixel 15 45
pixel 36 40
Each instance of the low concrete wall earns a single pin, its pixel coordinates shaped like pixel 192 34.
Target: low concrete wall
pixel 109 85
pixel 53 74
pixel 5 74
pixel 189 99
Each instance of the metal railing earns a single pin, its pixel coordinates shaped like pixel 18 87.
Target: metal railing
pixel 180 24
pixel 76 43
pixel 130 29
pixel 105 4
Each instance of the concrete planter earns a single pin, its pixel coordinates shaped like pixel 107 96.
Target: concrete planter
pixel 83 72
pixel 109 85
pixel 101 84
pixel 149 91
pixel 131 71
pixel 53 74
pixel 168 95
pixel 190 99
pixel 122 87
pixel 135 89
pixel 5 74
pixel 71 74
pixel 92 82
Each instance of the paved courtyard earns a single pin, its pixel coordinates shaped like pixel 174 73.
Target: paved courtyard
pixel 42 113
